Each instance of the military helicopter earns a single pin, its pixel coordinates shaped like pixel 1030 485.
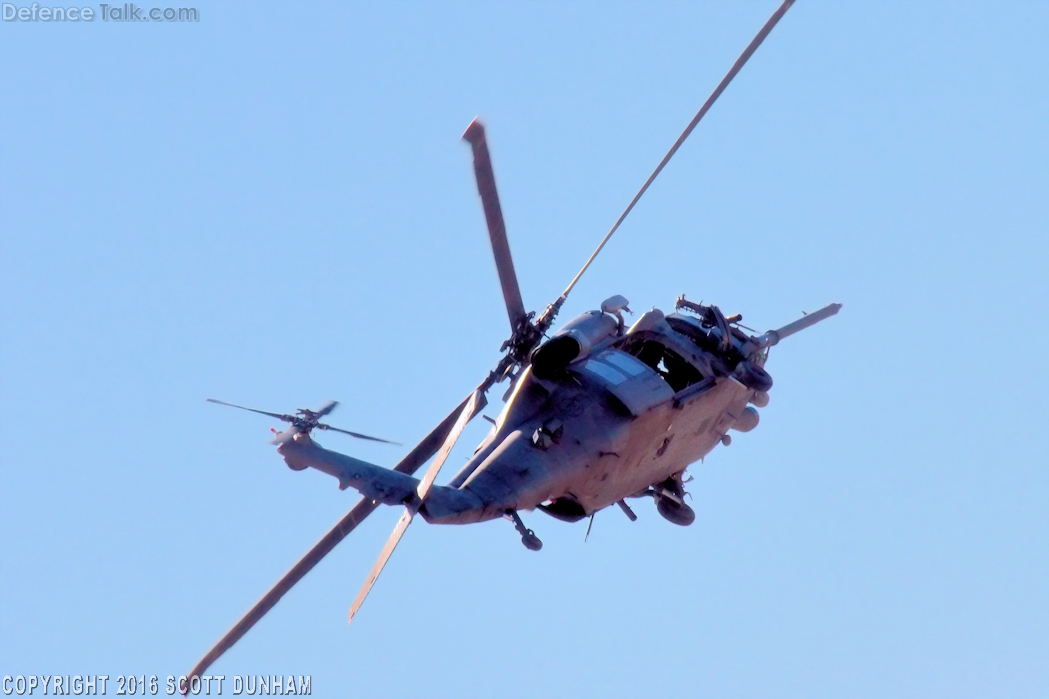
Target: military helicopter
pixel 598 413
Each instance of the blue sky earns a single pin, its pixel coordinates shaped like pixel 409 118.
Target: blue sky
pixel 271 206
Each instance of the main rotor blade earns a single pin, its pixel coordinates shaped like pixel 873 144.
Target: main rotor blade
pixel 285 418
pixel 740 62
pixel 409 464
pixel 493 214
pixel 358 435
pixel 474 404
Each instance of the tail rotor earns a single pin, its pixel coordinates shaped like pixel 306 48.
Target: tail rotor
pixel 304 421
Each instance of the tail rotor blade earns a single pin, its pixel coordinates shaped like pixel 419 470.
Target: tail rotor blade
pixel 474 404
pixel 358 435
pixel 279 416
pixel 326 408
pixel 493 214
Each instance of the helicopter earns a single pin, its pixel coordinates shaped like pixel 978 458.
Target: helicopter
pixel 597 413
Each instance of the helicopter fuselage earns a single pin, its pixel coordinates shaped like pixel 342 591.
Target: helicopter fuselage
pixel 579 433
pixel 606 427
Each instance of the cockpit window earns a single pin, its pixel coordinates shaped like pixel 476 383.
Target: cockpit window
pixel 625 362
pixel 615 367
pixel 606 372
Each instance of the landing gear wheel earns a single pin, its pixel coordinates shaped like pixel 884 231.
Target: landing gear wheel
pixel 681 515
pixel 531 541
